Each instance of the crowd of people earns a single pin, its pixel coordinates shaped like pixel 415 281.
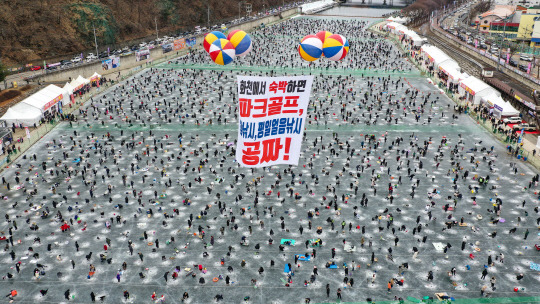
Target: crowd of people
pixel 138 197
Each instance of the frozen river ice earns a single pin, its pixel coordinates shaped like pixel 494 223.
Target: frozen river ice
pixel 163 141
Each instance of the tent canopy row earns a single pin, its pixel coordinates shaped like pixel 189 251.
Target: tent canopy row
pixel 31 110
pixel 477 90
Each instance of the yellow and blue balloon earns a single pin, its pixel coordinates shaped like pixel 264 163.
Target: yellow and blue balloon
pixel 211 37
pixel 310 48
pixel 335 47
pixel 222 51
pixel 241 42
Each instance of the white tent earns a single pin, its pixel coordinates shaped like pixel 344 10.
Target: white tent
pixel 396 28
pixel 436 55
pixel 94 77
pixel 504 108
pixel 416 39
pixel 78 83
pixel 452 70
pixel 22 113
pixel 68 88
pixel 83 80
pixel 398 19
pixel 69 94
pixel 475 89
pixel 500 107
pixel 46 98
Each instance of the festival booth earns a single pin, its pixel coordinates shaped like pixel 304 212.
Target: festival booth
pixel 433 57
pixel 450 73
pixel 473 89
pixel 400 20
pixel 94 79
pixel 414 38
pixel 396 28
pixel 22 114
pixel 69 92
pixel 47 100
pixel 498 107
pixel 436 56
pixel 78 83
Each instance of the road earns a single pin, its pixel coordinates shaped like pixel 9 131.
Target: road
pixel 457 25
pixel 473 67
pixel 19 78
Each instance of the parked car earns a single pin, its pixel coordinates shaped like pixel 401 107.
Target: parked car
pixel 513 63
pixel 76 59
pixel 35 68
pixel 66 64
pixel 525 126
pixel 522 67
pixel 512 120
pixel 103 55
pixel 525 58
pixel 91 57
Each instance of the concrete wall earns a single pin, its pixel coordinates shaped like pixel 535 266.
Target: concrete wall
pixel 129 62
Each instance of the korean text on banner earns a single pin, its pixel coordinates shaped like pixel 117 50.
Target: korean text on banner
pixel 272 119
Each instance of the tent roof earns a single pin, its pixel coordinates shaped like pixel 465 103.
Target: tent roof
pixel 504 106
pixel 82 79
pixel 451 71
pixel 507 108
pixel 413 35
pixel 450 65
pixel 398 19
pixel 475 84
pixel 21 111
pixel 437 54
pixel 75 83
pixel 44 96
pixel 396 26
pixel 68 88
pixel 95 75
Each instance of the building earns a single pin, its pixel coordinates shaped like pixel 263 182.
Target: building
pixel 527 25
pixel 508 29
pixel 500 13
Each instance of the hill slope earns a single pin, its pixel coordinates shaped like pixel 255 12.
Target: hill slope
pixel 40 29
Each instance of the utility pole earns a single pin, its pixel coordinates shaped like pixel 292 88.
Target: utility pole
pixel 501 44
pixel 155 20
pixel 240 9
pixel 95 39
pixel 208 15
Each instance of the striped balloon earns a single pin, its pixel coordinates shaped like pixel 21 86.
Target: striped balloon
pixel 241 42
pixel 310 48
pixel 335 47
pixel 323 35
pixel 211 37
pixel 222 51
